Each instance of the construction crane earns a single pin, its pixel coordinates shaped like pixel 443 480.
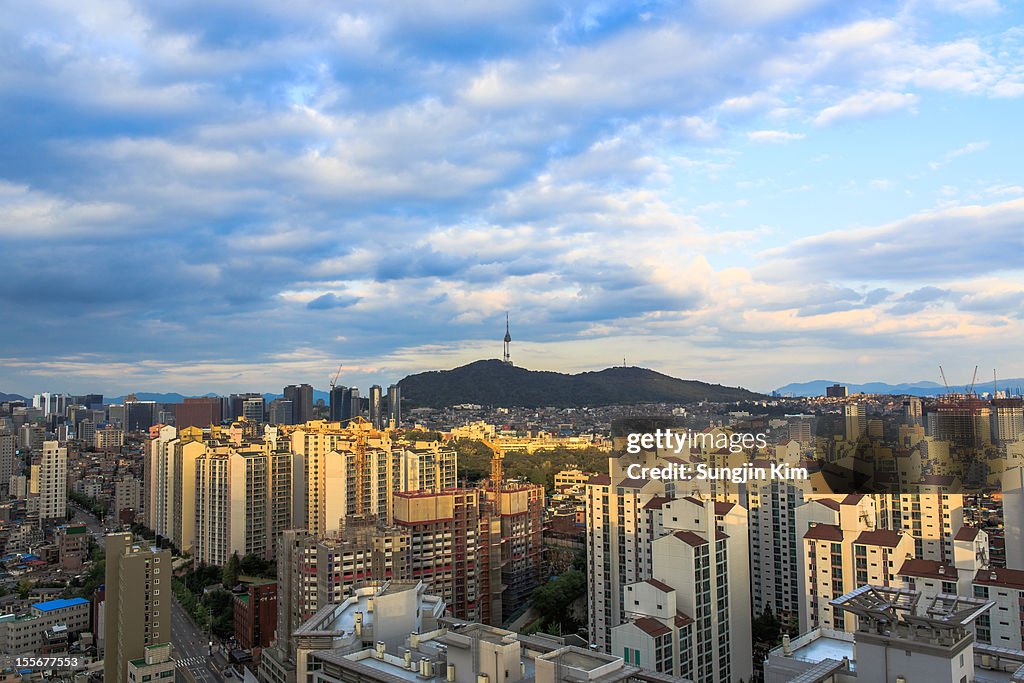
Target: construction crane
pixel 974 378
pixel 334 380
pixel 497 473
pixel 360 457
pixel 497 455
pixel 360 470
pixel 941 372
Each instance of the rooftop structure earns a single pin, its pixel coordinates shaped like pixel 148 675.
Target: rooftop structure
pixel 898 637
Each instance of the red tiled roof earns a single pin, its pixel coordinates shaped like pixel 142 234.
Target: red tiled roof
pixel 664 587
pixel 828 502
pixel 966 533
pixel 1009 578
pixel 852 499
pixel 652 627
pixel 690 538
pixel 723 508
pixel 929 569
pixel 656 503
pixel 880 537
pixel 683 620
pixel 824 532
pixel 600 480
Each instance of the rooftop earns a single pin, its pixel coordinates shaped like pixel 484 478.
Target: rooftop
pixel 823 644
pixel 51 605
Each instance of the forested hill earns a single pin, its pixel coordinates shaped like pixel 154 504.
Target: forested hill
pixel 494 383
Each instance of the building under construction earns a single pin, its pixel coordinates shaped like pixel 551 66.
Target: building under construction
pixel 478 548
pixel 961 419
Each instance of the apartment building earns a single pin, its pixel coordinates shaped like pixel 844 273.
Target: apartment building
pixel 775 558
pixel 314 572
pixel 53 482
pixel 933 516
pixel 108 438
pixel 691 617
pixel 355 470
pixel 843 548
pixel 159 482
pixel 137 604
pixel 238 506
pixel 838 560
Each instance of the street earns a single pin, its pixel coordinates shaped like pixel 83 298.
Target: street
pixel 94 525
pixel 191 648
pixel 189 644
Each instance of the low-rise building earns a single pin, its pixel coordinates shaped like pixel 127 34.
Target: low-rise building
pixel 27 632
pixel 255 614
pixel 155 666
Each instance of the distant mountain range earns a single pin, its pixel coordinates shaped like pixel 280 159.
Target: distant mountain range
pixel 179 398
pixel 492 382
pixel 927 388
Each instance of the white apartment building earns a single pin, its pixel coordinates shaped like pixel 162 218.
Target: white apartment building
pixel 53 482
pixel 933 517
pixel 842 550
pixel 238 507
pixel 775 558
pixel 158 482
pixel 691 618
pixel 326 476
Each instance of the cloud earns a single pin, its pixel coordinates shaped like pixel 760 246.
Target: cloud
pixel 969 148
pixel 928 246
pixel 184 174
pixel 774 136
pixel 331 300
pixel 865 104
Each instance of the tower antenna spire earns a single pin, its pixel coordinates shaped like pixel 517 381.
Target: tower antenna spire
pixel 508 341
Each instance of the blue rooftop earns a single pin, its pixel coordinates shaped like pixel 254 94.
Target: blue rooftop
pixel 51 605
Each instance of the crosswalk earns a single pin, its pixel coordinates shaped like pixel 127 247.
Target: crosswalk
pixel 190 661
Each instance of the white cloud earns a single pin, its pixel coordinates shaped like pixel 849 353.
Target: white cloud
pixel 864 104
pixel 774 136
pixel 969 148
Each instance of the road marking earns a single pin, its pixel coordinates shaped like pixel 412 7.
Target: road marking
pixel 190 661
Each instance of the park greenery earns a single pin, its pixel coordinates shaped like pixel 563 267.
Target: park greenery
pixel 204 591
pixel 553 601
pixel 97 507
pixel 539 468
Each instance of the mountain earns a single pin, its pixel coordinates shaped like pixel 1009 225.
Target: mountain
pixel 150 396
pixel 924 388
pixel 11 397
pixel 492 382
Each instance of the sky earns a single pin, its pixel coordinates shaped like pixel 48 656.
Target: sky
pixel 231 196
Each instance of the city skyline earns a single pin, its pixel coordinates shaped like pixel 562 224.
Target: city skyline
pixel 212 198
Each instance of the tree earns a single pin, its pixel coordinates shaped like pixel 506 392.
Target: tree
pixel 220 605
pixel 230 578
pixel 24 588
pixel 253 565
pixel 766 628
pixel 553 600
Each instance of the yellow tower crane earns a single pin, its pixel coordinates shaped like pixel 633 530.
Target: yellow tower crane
pixel 497 471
